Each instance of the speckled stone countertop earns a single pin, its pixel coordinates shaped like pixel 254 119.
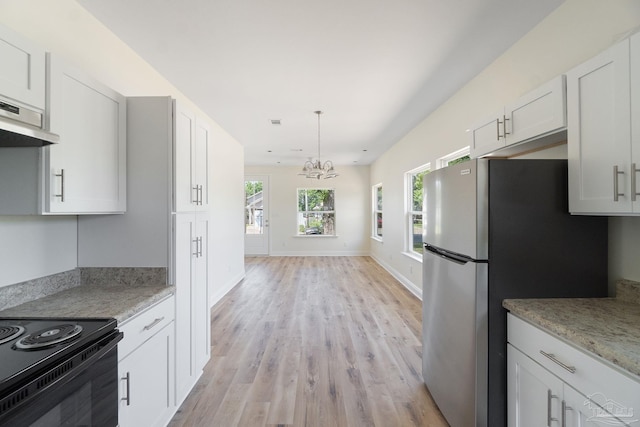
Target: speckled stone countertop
pixel 607 327
pixel 107 293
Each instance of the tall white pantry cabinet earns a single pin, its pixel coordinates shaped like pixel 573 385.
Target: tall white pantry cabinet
pixel 167 221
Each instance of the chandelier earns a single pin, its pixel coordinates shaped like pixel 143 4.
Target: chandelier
pixel 316 169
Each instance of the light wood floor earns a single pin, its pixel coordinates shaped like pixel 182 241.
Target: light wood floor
pixel 313 341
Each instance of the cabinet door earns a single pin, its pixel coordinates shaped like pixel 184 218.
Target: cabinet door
pixel 186 250
pixel 201 162
pixel 534 395
pixel 579 411
pixel 201 322
pixel 598 131
pixel 86 171
pixel 185 191
pixel 22 74
pixel 488 135
pixel 537 113
pixel 635 120
pixel 146 379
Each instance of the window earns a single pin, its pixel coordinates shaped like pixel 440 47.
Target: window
pixel 413 180
pixel 253 218
pixel 316 212
pixel 454 158
pixel 376 197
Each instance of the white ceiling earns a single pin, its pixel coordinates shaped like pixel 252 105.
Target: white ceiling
pixel 376 68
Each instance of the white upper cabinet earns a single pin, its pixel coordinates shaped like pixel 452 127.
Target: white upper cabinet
pixel 539 113
pixel 22 74
pixel 191 164
pixel 86 171
pixel 602 176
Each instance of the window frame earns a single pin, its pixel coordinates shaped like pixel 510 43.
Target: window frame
pixel 298 233
pixel 409 227
pixel 375 211
pixel 444 161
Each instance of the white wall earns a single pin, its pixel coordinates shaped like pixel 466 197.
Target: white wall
pixel 65 28
pixel 576 31
pixel 353 201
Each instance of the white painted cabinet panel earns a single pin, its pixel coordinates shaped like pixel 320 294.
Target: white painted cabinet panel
pixel 86 171
pixel 22 74
pixel 146 367
pixel 191 162
pixel 192 309
pixel 599 133
pixel 536 115
pixel 146 392
pixel 588 392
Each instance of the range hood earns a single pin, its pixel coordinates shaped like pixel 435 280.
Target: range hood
pixel 22 127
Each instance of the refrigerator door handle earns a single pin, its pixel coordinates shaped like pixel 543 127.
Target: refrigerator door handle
pixel 452 256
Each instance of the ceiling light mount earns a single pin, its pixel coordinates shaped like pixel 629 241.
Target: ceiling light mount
pixel 316 169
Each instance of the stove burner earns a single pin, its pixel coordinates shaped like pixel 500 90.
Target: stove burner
pixel 9 332
pixel 49 336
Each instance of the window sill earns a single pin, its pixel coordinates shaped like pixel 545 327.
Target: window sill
pixel 312 236
pixel 413 256
pixel 376 238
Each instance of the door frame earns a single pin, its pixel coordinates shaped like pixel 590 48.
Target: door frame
pixel 258 244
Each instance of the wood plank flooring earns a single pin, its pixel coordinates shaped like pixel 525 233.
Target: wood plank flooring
pixel 313 341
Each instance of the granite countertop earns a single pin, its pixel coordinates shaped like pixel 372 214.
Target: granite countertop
pixel 105 294
pixel 607 327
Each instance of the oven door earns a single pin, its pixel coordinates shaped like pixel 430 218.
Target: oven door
pixel 80 391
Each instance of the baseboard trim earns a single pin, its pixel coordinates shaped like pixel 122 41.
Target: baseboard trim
pixel 318 253
pixel 411 287
pixel 215 298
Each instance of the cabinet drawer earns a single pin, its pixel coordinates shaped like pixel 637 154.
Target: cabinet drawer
pixel 591 376
pixel 144 325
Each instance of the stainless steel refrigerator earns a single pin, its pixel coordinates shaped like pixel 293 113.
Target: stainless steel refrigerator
pixel 496 229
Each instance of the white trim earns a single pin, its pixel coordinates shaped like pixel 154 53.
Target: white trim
pixel 215 298
pixel 444 161
pixel 413 255
pixel 321 253
pixel 408 205
pixel 416 290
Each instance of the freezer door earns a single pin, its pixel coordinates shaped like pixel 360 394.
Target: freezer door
pixel 449 335
pixel 455 208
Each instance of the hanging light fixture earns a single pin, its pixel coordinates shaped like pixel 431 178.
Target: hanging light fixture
pixel 316 169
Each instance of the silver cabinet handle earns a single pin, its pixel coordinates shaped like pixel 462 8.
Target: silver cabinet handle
pixel 633 182
pixel 127 399
pixel 154 323
pixel 61 176
pixel 200 194
pixel 195 200
pixel 504 126
pixel 616 192
pixel 498 136
pixel 196 240
pixel 552 357
pixel 200 245
pixel 550 396
pixel 565 408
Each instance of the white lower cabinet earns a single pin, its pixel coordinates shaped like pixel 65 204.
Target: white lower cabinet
pixel 146 367
pixel 192 311
pixel 551 383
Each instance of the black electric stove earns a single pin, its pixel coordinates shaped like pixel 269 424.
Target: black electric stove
pixel 41 356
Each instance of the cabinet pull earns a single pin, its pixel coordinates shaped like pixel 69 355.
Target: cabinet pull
pixel 550 396
pixel 504 126
pixel 154 323
pixel 200 193
pixel 565 408
pixel 634 171
pixel 127 399
pixel 200 246
pixel 195 200
pixel 552 357
pixel 498 129
pixel 196 240
pixel 61 176
pixel 616 192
